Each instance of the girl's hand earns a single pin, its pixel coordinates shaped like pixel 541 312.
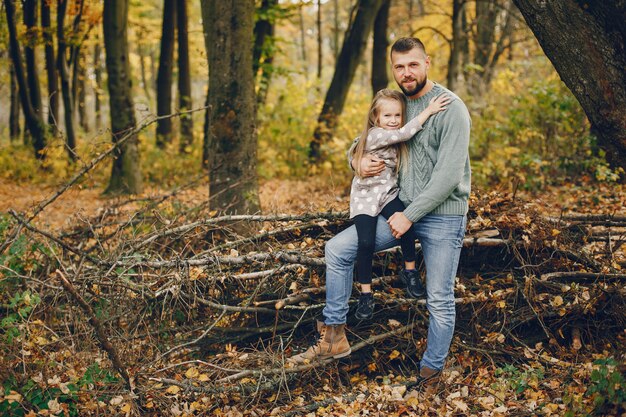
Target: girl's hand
pixel 438 104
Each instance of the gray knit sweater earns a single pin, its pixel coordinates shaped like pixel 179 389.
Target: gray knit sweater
pixel 436 178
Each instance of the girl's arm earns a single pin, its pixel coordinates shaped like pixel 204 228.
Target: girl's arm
pixel 380 138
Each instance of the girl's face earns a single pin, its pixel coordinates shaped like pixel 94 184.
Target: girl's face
pixel 389 114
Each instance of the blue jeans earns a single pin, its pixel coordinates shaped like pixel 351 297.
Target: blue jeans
pixel 441 238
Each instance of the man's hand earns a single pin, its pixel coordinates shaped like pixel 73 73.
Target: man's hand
pixel 399 224
pixel 371 166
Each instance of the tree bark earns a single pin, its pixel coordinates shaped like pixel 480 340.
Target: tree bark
pixel 125 173
pixel 68 105
pixel 587 46
pixel 164 77
pixel 319 39
pixel 352 49
pixel 455 62
pixel 30 21
pixel 233 186
pixel 81 86
pixel 14 115
pixel 263 55
pixel 184 78
pixel 336 28
pixel 305 64
pixel 34 123
pixel 51 69
pixel 379 49
pixel 97 69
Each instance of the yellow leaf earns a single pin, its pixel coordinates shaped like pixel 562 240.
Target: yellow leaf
pixel 371 367
pixel 555 232
pixel 125 408
pixel 203 377
pixel 173 389
pixel 501 304
pixel 557 301
pixel 192 372
pixel 394 354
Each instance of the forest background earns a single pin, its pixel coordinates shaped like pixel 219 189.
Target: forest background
pixel 191 310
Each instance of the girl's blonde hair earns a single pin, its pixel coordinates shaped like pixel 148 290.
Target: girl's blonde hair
pixel 372 121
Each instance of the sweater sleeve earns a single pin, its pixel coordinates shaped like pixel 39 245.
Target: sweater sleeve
pixel 350 152
pixel 452 156
pixel 380 138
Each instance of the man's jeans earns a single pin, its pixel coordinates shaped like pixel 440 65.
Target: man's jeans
pixel 441 238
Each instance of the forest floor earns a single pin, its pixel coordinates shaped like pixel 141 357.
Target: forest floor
pixel 527 342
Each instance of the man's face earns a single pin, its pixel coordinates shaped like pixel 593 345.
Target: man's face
pixel 410 70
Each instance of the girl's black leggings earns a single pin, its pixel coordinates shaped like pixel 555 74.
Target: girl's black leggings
pixel 366 230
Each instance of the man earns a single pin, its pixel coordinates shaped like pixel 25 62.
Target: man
pixel 434 187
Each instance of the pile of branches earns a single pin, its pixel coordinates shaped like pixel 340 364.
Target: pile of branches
pixel 167 286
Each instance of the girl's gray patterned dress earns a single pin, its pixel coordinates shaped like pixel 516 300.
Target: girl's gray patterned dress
pixel 370 195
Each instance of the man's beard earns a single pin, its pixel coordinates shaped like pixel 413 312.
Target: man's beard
pixel 417 89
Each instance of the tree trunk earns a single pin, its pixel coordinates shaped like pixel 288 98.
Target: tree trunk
pixel 30 21
pixel 336 28
pixel 352 49
pixel 68 105
pixel 164 77
pixel 379 49
pixel 263 55
pixel 144 79
pixel 125 173
pixel 184 78
pixel 456 47
pixel 14 116
pixel 319 39
pixel 305 64
pixel 51 69
pixel 233 186
pixel 81 75
pixel 587 46
pixel 34 123
pixel 97 69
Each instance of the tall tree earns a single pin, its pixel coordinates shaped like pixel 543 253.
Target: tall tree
pixel 34 122
pixel 379 48
pixel 51 69
pixel 233 185
pixel 125 173
pixel 319 38
pixel 455 61
pixel 30 21
pixel 97 69
pixel 164 77
pixel 264 46
pixel 66 92
pixel 184 77
pixel 586 42
pixel 352 49
pixel 14 115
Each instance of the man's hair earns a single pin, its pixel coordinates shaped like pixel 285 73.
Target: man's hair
pixel 407 44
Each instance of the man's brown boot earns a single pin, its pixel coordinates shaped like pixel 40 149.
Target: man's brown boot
pixel 429 378
pixel 332 343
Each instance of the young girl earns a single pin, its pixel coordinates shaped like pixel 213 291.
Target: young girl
pixel 383 137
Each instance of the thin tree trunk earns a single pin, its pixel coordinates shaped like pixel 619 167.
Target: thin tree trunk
pixel 125 172
pixel 336 28
pixel 233 186
pixel 34 123
pixel 305 64
pixel 68 105
pixel 585 43
pixel 379 49
pixel 81 73
pixel 30 21
pixel 51 69
pixel 319 39
pixel 97 69
pixel 263 55
pixel 144 79
pixel 455 63
pixel 14 116
pixel 164 77
pixel 351 52
pixel 184 78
